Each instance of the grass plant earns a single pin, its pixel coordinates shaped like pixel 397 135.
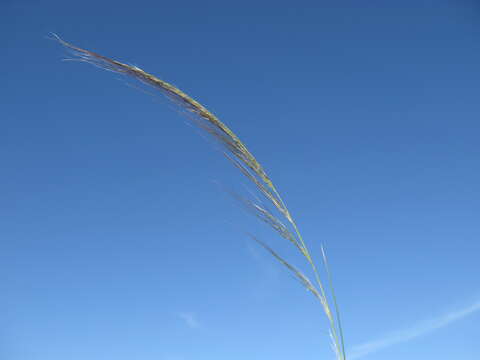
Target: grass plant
pixel 281 220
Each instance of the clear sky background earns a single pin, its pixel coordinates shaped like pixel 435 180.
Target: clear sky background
pixel 115 241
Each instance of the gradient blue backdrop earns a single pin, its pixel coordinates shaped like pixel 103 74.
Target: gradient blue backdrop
pixel 115 242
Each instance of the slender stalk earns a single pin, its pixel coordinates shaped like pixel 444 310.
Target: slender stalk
pixel 240 156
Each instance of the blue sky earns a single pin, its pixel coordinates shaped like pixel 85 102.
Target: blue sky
pixel 116 242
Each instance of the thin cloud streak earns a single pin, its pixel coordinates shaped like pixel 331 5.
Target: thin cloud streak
pixel 189 319
pixel 413 332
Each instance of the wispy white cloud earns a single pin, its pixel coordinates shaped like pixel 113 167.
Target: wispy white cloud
pixel 267 273
pixel 417 330
pixel 190 319
pixel 172 357
pixel 268 269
